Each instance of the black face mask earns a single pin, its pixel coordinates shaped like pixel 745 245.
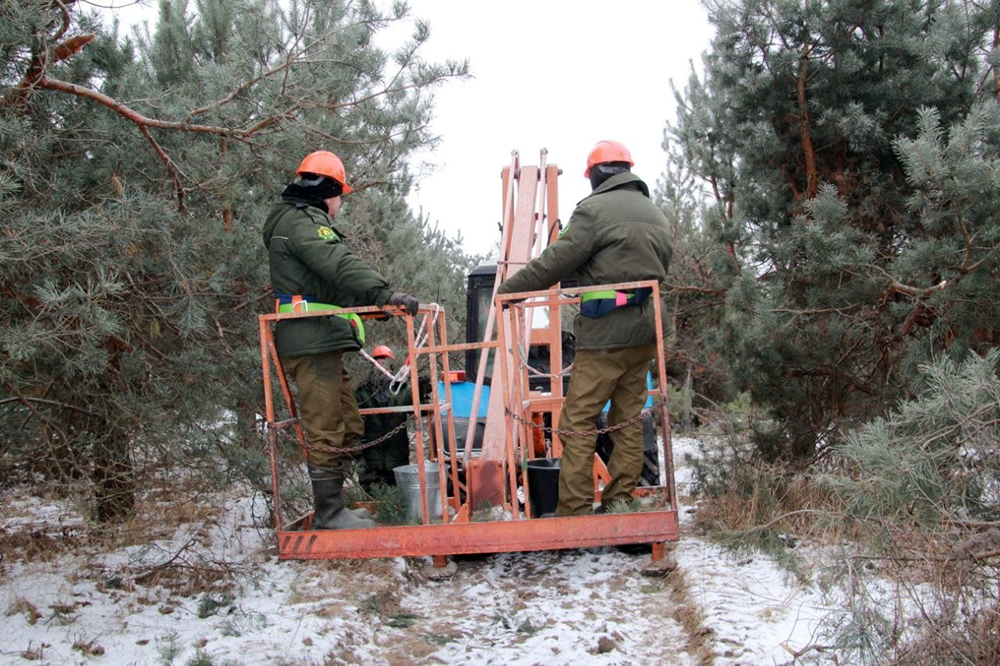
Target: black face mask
pixel 314 189
pixel 601 172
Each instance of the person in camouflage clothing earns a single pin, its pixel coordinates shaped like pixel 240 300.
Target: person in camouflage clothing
pixel 312 269
pixel 378 462
pixel 616 234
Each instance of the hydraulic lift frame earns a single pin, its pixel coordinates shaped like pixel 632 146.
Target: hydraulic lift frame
pixel 517 408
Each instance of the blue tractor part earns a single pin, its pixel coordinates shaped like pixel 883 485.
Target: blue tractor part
pixel 461 396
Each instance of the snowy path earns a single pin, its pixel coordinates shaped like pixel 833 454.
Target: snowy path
pixel 78 604
pixel 751 605
pixel 563 607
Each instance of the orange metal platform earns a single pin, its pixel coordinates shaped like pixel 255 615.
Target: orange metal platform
pixel 514 430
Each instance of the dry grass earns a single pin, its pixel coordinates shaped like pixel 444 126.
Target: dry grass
pixel 975 641
pixel 24 607
pixel 961 621
pixel 375 582
pixel 780 500
pixel 33 653
pixel 187 570
pixel 152 519
pixel 947 570
pixel 88 648
pixel 189 580
pixel 159 519
pixel 686 612
pixel 31 544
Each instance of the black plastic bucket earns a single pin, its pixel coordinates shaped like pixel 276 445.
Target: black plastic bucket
pixel 543 485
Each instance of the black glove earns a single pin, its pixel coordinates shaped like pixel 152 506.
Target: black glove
pixel 511 301
pixel 408 303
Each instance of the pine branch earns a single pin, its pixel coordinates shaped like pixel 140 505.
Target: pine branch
pixel 171 167
pixel 986 524
pixel 899 287
pixel 54 403
pixel 816 311
pixel 144 121
pixel 41 59
pixel 690 288
pixel 65 20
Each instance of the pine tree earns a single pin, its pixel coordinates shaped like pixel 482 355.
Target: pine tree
pixel 850 153
pixel 136 175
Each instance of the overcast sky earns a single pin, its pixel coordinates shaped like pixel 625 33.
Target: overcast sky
pixel 555 74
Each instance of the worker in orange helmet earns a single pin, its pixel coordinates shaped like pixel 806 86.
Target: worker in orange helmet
pixel 383 352
pixel 375 464
pixel 616 234
pixel 312 269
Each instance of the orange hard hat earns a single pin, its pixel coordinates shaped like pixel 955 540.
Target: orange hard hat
pixel 383 351
pixel 607 151
pixel 325 163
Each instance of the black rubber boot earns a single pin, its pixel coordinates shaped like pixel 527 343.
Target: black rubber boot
pixel 328 499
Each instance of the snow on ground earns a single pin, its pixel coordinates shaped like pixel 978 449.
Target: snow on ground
pixel 164 599
pixel 554 607
pixel 753 607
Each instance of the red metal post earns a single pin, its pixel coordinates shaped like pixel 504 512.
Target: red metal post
pixel 509 428
pixel 450 419
pixel 418 429
pixel 436 414
pixel 272 435
pixel 667 472
pixel 555 312
pixel 508 176
pixel 524 439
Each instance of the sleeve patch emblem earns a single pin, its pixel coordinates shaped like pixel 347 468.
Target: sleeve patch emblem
pixel 326 233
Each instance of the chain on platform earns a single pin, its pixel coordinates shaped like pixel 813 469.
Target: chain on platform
pixel 320 448
pixel 579 433
pixel 566 372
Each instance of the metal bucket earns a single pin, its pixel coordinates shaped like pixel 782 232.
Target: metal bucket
pixel 408 482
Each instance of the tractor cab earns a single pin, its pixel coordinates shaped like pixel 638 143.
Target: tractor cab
pixel 479 297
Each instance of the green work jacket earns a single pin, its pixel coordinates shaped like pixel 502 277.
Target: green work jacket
pixel 308 257
pixel 616 234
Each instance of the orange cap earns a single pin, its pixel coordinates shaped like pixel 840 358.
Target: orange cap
pixel 325 163
pixel 607 151
pixel 382 351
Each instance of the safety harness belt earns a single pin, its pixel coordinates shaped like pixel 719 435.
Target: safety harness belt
pixel 595 304
pixel 297 303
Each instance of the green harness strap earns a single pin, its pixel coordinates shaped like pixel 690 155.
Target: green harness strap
pixel 601 295
pixel 308 306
